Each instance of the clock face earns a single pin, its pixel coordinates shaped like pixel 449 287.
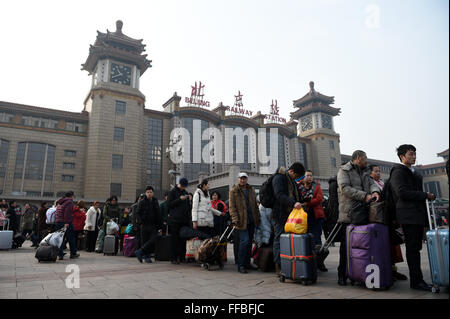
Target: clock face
pixel 307 124
pixel 326 121
pixel 120 74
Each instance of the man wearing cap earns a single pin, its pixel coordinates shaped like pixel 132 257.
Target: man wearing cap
pixel 245 216
pixel 179 203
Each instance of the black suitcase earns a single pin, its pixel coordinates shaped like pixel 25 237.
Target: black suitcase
pixel 265 259
pixel 81 242
pixel 18 241
pixel 298 260
pixel 47 253
pixel 162 248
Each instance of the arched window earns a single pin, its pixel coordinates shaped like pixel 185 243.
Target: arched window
pixel 38 159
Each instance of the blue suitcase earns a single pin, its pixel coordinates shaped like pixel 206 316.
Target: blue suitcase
pixel 437 246
pixel 298 260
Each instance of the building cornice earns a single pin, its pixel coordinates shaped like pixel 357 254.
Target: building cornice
pixel 42 129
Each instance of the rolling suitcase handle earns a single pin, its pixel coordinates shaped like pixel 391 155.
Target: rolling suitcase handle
pixel 7 222
pixel 428 203
pixel 331 238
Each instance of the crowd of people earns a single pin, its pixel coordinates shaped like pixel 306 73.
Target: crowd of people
pixel 207 214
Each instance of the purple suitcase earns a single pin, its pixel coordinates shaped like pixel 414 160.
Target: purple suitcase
pixel 366 245
pixel 129 246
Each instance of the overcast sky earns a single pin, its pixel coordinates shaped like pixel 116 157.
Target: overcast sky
pixel 385 62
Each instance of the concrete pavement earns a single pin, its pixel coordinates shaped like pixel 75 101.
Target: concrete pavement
pixel 105 277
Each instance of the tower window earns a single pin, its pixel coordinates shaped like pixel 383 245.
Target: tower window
pixel 333 162
pixel 332 145
pixel 121 107
pixel 117 161
pixel 116 189
pixel 119 134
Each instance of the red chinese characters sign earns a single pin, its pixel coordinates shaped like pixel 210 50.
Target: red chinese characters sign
pixel 274 115
pixel 238 109
pixel 197 94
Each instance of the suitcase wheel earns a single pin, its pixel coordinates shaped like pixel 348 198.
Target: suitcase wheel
pixel 282 279
pixel 435 290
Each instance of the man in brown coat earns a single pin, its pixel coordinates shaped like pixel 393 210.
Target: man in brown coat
pixel 245 217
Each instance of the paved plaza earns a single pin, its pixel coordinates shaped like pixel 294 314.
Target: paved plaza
pixel 106 277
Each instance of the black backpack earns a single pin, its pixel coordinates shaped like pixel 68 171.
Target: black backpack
pixel 266 193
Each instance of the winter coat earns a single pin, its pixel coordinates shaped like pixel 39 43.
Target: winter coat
pixel 13 219
pixel 353 186
pixel 179 210
pixel 27 219
pixel 148 213
pixel 238 207
pixel 316 202
pixel 91 218
pixel 110 211
pixel 42 217
pixel 286 195
pixel 202 211
pixel 263 231
pixel 64 211
pixel 164 208
pixel 79 218
pixel 409 196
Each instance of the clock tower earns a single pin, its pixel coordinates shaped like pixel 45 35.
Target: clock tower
pixel 115 148
pixel 315 122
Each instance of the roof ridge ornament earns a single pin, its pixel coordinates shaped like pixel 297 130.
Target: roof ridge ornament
pixel 311 85
pixel 119 25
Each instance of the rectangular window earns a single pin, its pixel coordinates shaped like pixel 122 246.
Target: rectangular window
pixel 4 150
pixel 117 161
pixel 121 107
pixel 69 165
pixel 116 189
pixel 33 193
pixel 119 134
pixel 332 145
pixel 333 162
pixel 70 153
pixel 68 178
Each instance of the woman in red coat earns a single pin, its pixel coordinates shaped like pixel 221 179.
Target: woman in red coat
pixel 79 218
pixel 312 197
pixel 220 222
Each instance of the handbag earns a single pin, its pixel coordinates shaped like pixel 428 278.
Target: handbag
pixel 129 229
pixel 359 214
pixel 378 213
pixel 297 222
pixel 112 228
pixel 54 239
pixel 396 236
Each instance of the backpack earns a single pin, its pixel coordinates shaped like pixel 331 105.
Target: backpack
pixel 266 193
pixel 50 216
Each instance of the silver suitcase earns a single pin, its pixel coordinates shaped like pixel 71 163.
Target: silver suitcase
pixel 109 246
pixel 6 236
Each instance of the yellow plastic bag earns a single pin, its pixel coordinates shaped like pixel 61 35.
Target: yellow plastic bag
pixel 297 222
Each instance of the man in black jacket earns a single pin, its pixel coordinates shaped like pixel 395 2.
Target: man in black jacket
pixel 179 216
pixel 411 211
pixel 286 199
pixel 149 217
